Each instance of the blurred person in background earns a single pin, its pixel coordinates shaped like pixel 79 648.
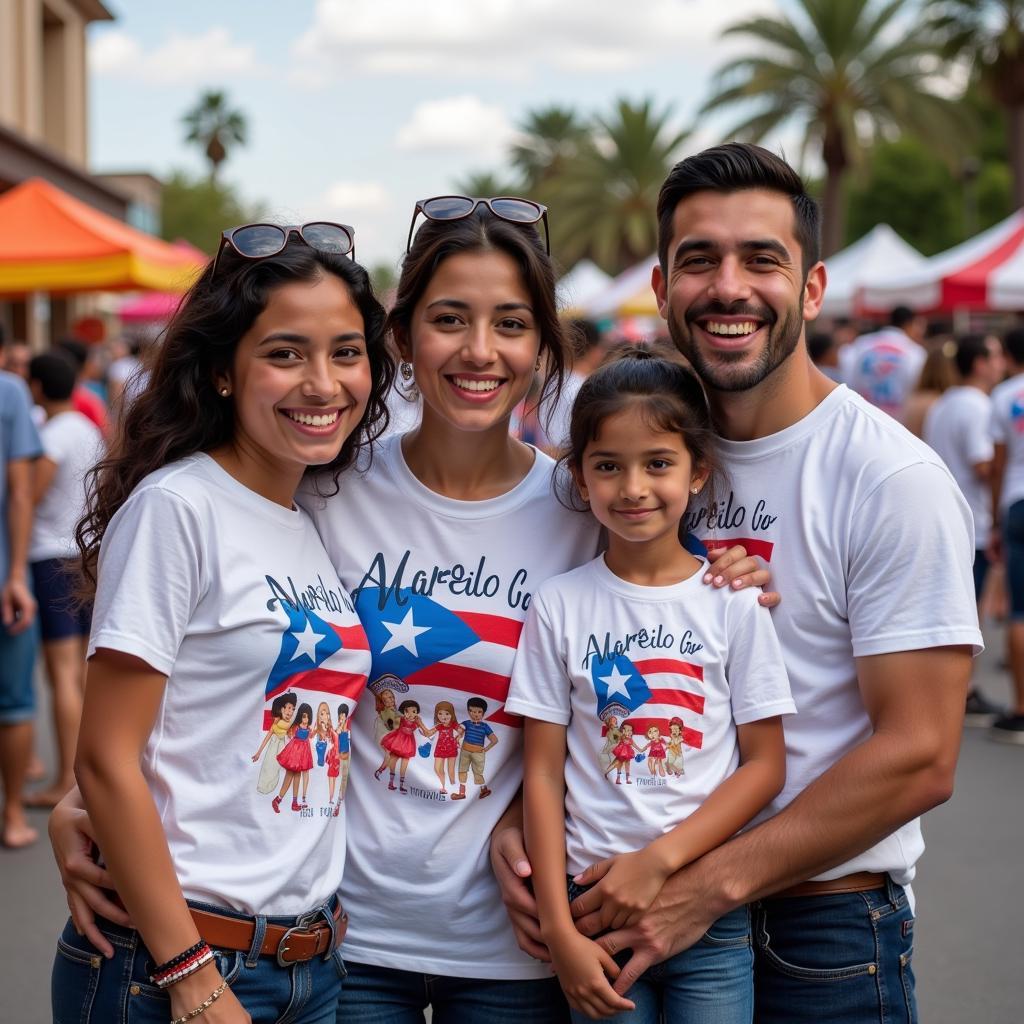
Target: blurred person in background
pixel 824 353
pixel 586 353
pixel 83 399
pixel 19 446
pixel 126 375
pixel 957 428
pixel 14 357
pixel 882 366
pixel 937 374
pixel 1007 536
pixel 72 444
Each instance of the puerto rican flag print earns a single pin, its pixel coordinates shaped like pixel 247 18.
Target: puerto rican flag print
pixel 424 643
pixel 316 656
pixel 650 691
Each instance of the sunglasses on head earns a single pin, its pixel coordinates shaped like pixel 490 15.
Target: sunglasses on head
pixel 258 241
pixel 510 208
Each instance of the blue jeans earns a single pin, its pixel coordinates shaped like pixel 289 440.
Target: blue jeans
pixel 843 958
pixel 385 995
pixel 712 982
pixel 1013 539
pixel 86 988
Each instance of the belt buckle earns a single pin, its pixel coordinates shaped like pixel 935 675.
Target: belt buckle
pixel 302 924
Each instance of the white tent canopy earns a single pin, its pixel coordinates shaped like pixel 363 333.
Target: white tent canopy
pixel 879 257
pixel 585 283
pixel 629 294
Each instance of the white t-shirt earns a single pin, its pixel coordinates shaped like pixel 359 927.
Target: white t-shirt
pixel 234 599
pixel 74 444
pixel 883 367
pixel 653 679
pixel 556 416
pixel 958 427
pixel 1007 427
pixel 871 544
pixel 442 588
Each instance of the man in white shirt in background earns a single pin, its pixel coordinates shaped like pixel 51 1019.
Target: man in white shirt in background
pixel 587 353
pixel 1008 520
pixel 884 366
pixel 957 427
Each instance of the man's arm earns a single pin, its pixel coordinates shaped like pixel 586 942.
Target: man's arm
pixel 915 700
pixel 17 606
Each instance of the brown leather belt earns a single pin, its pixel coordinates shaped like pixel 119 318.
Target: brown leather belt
pixel 291 945
pixel 860 881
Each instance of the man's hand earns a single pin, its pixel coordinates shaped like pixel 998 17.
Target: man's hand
pixel 512 868
pixel 17 606
pixel 625 885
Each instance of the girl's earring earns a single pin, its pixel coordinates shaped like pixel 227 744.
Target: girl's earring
pixel 224 391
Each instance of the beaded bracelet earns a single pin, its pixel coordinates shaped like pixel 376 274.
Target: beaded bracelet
pixel 182 965
pixel 203 1006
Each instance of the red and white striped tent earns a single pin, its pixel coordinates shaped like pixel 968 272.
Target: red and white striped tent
pixel 985 273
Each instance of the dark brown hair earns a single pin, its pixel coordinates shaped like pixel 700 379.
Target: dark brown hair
pixel 436 240
pixel 180 413
pixel 655 380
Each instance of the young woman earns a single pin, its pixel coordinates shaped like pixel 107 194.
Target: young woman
pixel 635 629
pixel 213 595
pixel 441 540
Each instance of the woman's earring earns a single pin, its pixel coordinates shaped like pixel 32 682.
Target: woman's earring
pixel 695 490
pixel 224 391
pixel 405 369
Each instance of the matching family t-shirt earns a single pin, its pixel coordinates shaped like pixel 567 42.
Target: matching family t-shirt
pixel 235 600
pixel 651 683
pixel 1007 428
pixel 870 543
pixel 442 587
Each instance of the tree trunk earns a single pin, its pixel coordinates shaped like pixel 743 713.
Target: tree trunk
pixel 1015 120
pixel 833 214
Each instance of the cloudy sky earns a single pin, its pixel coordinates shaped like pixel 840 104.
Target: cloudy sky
pixel 357 108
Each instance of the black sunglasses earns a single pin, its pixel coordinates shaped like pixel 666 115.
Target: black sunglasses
pixel 257 241
pixel 510 208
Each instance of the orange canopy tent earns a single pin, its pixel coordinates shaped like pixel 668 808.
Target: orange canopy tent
pixel 52 242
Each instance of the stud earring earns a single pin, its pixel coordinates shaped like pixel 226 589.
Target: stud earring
pixel 695 490
pixel 405 369
pixel 224 392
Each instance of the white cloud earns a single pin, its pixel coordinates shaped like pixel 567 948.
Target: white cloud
pixel 510 38
pixel 180 60
pixel 350 197
pixel 463 123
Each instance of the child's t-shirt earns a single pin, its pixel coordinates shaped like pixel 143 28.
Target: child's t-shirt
pixel 651 682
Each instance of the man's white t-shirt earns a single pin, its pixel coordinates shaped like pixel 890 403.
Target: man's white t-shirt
pixel 1007 427
pixel 653 679
pixel 234 599
pixel 958 427
pixel 442 588
pixel 883 367
pixel 74 444
pixel 871 544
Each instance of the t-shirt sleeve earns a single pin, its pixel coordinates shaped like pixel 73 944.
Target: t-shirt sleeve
pixel 976 438
pixel 150 578
pixel 540 686
pixel 22 437
pixel 910 584
pixel 997 425
pixel 758 683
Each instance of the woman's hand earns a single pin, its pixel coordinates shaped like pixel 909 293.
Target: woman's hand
pixel 583 971
pixel 733 567
pixel 625 885
pixel 194 990
pixel 85 882
pixel 512 868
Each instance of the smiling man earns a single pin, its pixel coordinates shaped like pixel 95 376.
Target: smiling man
pixel 870 544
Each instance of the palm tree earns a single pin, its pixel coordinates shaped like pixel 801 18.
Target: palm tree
pixel 487 185
pixel 604 199
pixel 991 34
pixel 212 125
pixel 851 72
pixel 549 138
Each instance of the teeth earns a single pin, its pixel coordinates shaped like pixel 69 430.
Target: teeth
pixel 477 385
pixel 308 420
pixel 717 328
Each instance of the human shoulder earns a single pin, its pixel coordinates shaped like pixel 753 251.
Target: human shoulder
pixel 567 586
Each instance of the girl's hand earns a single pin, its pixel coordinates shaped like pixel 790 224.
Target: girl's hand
pixel 626 885
pixel 84 881
pixel 733 567
pixel 583 971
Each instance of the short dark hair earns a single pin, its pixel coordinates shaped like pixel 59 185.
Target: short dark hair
pixel 477 702
pixel 734 167
pixel 901 316
pixel 1013 342
pixel 969 349
pixel 279 702
pixel 56 375
pixel 818 345
pixel 75 349
pixel 582 336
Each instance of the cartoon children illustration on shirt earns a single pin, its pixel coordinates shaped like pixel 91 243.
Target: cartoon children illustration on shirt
pixel 446 749
pixel 296 759
pixel 612 734
pixel 623 752
pixel 674 761
pixel 477 738
pixel 281 711
pixel 655 751
pixel 324 732
pixel 338 757
pixel 399 744
pixel 385 706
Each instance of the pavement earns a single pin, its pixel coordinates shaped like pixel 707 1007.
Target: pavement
pixel 970 900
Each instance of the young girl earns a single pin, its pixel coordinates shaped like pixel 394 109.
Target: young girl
pixel 338 758
pixel 296 759
pixel 274 740
pixel 622 754
pixel 446 749
pixel 325 739
pixel 214 596
pixel 400 744
pixel 637 627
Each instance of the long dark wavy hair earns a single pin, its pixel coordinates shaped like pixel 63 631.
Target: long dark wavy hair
pixel 481 231
pixel 180 413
